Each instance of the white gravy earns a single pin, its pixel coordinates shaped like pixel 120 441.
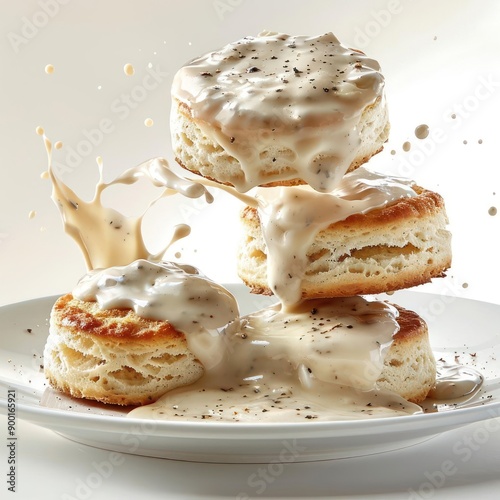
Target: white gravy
pixel 301 94
pixel 291 217
pixel 164 291
pixel 320 361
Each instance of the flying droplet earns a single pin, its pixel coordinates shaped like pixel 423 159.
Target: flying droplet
pixel 128 69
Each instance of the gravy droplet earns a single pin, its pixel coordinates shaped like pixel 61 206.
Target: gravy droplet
pixel 128 69
pixel 422 131
pixel 49 69
pixel 406 146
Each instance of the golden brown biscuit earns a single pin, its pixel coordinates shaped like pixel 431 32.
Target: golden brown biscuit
pixel 114 356
pixel 409 367
pixel 398 246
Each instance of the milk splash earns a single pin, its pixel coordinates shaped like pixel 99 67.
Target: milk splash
pixel 105 236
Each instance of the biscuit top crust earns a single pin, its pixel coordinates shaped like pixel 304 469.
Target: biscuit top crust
pixel 163 291
pixel 420 203
pixel 279 89
pixel 411 325
pixel 84 317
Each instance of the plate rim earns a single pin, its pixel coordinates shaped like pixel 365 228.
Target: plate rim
pixel 360 427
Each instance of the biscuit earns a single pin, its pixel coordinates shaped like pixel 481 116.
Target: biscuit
pixel 398 246
pixel 276 109
pixel 114 356
pixel 409 366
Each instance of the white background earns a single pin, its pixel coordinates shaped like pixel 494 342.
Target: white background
pixel 439 58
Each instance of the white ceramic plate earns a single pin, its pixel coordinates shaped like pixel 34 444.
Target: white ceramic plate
pixel 461 330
